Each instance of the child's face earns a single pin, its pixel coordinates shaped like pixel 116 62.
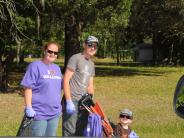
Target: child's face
pixel 125 120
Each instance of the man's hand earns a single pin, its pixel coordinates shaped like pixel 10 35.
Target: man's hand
pixel 70 107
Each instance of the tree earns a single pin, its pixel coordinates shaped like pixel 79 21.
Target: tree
pixel 7 31
pixel 111 24
pixel 161 21
pixel 12 29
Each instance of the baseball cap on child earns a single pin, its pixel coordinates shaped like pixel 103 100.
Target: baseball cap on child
pixel 127 113
pixel 91 39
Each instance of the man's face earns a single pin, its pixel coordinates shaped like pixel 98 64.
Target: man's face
pixel 91 48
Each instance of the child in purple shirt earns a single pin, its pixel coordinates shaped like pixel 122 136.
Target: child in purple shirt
pixel 43 84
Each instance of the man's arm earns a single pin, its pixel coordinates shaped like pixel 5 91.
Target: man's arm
pixel 66 87
pixel 90 88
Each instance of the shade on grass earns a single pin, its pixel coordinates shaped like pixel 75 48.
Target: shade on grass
pixel 147 91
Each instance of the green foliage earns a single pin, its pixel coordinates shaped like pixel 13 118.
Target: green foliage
pixel 120 14
pixel 25 24
pixel 110 20
pixel 162 21
pixel 7 19
pixel 118 24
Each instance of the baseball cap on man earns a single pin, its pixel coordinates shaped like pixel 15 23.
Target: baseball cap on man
pixel 127 113
pixel 91 39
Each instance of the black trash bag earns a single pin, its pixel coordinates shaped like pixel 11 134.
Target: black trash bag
pixel 25 129
pixel 85 102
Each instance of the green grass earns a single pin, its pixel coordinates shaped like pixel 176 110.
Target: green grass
pixel 147 91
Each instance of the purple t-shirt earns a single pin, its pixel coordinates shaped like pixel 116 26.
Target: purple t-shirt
pixel 46 84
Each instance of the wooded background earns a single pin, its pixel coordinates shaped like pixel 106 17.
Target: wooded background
pixel 25 25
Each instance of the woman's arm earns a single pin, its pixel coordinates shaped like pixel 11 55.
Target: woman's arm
pixel 66 86
pixel 28 97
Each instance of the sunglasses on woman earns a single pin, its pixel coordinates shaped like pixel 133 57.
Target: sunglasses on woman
pixel 125 116
pixel 51 52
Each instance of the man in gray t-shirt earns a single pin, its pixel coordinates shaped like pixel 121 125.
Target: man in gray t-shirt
pixel 78 80
pixel 83 71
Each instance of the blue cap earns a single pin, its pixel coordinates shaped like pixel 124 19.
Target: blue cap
pixel 91 39
pixel 126 112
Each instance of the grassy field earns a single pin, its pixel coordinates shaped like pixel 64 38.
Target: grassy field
pixel 147 91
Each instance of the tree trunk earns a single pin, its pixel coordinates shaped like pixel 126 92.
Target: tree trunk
pixel 72 33
pixel 154 47
pixel 5 68
pixel 171 54
pixel 3 76
pixel 117 54
pixel 105 45
pixel 18 50
pixel 22 57
pixel 117 48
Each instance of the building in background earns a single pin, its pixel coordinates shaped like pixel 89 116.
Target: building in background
pixel 143 52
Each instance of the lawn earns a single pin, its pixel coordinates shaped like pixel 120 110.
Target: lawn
pixel 147 91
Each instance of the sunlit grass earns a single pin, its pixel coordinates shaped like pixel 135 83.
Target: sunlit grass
pixel 147 91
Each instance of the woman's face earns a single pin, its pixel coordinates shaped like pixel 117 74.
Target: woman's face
pixel 51 53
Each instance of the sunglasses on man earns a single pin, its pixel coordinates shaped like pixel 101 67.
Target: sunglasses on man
pixel 51 52
pixel 125 116
pixel 92 45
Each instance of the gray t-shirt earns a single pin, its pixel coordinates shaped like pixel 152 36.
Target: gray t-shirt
pixel 83 69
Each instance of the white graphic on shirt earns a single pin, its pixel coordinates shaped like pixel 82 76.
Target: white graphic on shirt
pixel 86 75
pixel 51 72
pixel 51 75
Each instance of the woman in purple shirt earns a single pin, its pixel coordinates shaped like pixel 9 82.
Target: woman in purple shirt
pixel 43 84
